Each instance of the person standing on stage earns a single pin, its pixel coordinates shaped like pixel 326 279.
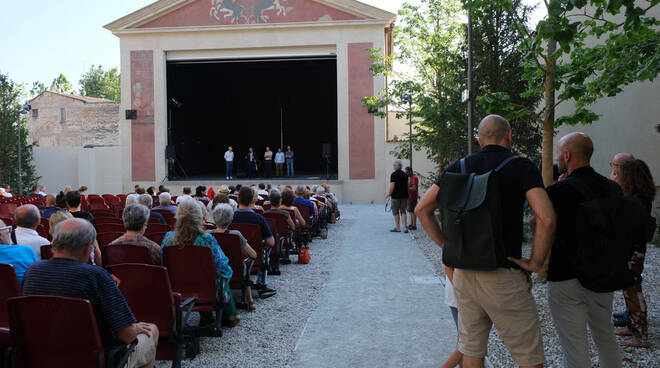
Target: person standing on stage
pixel 252 163
pixel 289 161
pixel 279 162
pixel 268 162
pixel 229 160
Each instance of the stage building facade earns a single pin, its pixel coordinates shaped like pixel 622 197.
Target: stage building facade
pixel 200 75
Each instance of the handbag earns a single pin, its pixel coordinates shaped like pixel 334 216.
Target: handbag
pixel 303 256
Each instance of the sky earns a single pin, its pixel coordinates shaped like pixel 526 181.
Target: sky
pixel 41 39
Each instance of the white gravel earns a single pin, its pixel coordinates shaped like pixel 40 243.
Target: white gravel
pixel 632 357
pixel 267 337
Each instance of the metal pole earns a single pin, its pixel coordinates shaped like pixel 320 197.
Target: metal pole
pixel 281 126
pixel 20 165
pixel 469 79
pixel 410 135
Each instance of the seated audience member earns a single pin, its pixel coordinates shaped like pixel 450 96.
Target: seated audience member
pixel 132 199
pixel 218 199
pixel 151 191
pixel 136 218
pixel 82 190
pixel 262 190
pixel 67 274
pixel 73 205
pixel 300 199
pixel 140 191
pixel 287 201
pixel 189 231
pixel 223 215
pixel 278 207
pixel 34 192
pixel 60 201
pixel 42 191
pixel 147 201
pixel 50 206
pixel 165 200
pixel 184 196
pixel 60 216
pixel 245 215
pixel 3 192
pixel 200 194
pixel 19 256
pixel 237 189
pixel 161 189
pixel 68 188
pixel 27 220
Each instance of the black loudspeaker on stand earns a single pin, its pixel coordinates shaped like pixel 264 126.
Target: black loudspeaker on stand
pixel 170 155
pixel 327 155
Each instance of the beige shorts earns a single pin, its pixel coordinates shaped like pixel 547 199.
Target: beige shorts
pixel 145 352
pixel 502 297
pixel 399 206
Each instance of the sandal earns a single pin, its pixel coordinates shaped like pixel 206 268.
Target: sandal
pixel 634 342
pixel 395 231
pixel 625 331
pixel 251 307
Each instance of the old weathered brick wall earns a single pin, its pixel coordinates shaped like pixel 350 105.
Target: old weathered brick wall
pixel 88 122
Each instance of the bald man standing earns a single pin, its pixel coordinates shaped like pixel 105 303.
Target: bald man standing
pixel 572 306
pixel 502 296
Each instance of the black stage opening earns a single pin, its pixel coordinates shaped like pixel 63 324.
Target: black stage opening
pixel 245 103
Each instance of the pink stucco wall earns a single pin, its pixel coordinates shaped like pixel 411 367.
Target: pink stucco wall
pixel 223 12
pixel 142 129
pixel 360 122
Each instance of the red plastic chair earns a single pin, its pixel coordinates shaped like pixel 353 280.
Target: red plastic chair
pixel 110 198
pixel 109 228
pixel 171 222
pixel 9 221
pixel 8 209
pixel 252 233
pixel 156 237
pixel 107 238
pixel 241 265
pixel 9 288
pixel 192 273
pixel 102 213
pixel 166 214
pixel 117 254
pixel 54 331
pixel 154 221
pixel 100 205
pixel 107 220
pixel 157 228
pixel 148 292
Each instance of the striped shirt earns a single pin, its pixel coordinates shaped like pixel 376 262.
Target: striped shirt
pixel 73 279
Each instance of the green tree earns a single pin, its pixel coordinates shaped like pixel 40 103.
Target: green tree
pixel 60 85
pixel 102 84
pixel 13 127
pixel 580 53
pixel 37 89
pixel 428 43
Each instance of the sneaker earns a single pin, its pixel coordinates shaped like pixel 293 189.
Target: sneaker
pixel 263 294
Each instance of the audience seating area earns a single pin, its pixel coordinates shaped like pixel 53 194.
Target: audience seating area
pixel 164 295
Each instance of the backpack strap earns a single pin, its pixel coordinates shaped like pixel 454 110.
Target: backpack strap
pixel 505 162
pixel 462 163
pixel 13 236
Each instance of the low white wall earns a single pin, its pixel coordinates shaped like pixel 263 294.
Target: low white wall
pixel 97 168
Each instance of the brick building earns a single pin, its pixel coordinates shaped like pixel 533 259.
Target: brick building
pixel 65 120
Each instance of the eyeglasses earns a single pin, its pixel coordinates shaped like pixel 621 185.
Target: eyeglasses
pixel 612 164
pixel 8 228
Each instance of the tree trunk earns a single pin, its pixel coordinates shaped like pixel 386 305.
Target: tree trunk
pixel 549 118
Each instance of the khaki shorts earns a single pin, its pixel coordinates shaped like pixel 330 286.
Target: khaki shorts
pixel 502 297
pixel 145 352
pixel 399 206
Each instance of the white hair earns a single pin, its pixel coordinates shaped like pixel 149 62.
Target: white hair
pixel 164 198
pixel 132 199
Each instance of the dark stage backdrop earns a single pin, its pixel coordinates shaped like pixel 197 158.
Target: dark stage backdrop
pixel 240 103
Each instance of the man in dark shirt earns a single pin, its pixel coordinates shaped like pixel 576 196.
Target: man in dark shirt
pixel 501 296
pixel 68 274
pixel 398 191
pixel 147 201
pixel 73 204
pixel 247 198
pixel 571 305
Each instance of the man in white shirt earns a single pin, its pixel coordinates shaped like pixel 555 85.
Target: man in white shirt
pixel 279 162
pixel 4 191
pixel 262 190
pixel 27 220
pixel 229 160
pixel 268 162
pixel 42 191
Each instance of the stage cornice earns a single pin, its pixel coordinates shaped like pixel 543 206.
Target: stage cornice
pixel 129 24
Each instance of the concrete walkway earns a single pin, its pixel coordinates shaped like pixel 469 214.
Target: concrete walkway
pixel 382 306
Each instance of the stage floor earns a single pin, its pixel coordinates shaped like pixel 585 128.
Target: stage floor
pixel 215 181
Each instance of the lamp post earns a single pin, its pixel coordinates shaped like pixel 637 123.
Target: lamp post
pixel 408 99
pixel 23 110
pixel 469 79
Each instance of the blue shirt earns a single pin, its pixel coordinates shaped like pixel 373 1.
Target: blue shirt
pixel 49 211
pixel 158 216
pixel 73 279
pixel 167 208
pixel 247 216
pixel 307 203
pixel 19 256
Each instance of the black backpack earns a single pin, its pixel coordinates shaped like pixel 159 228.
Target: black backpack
pixel 471 218
pixel 607 228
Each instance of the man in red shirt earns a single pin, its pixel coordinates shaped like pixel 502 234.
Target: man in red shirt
pixel 413 187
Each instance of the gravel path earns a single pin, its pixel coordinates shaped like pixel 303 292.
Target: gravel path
pixel 267 337
pixel 632 357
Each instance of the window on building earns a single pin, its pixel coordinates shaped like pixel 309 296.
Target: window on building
pixel 35 113
pixel 62 115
